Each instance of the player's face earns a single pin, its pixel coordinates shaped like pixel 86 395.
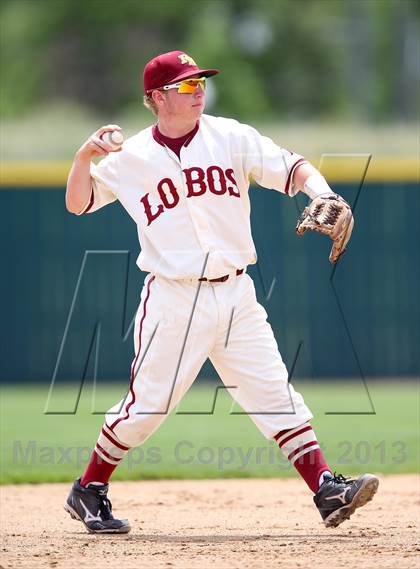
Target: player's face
pixel 186 104
pixel 189 105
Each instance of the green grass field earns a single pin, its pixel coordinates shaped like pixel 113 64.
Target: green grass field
pixel 39 447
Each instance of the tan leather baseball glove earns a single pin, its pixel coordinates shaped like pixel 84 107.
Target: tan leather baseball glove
pixel 331 215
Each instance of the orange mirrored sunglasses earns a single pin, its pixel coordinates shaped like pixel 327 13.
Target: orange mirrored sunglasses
pixel 187 85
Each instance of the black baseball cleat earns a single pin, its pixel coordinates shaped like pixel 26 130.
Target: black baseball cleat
pixel 90 505
pixel 338 497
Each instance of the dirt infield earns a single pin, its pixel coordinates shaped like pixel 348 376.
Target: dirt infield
pixel 218 524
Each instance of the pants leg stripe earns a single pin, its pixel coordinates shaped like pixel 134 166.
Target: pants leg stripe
pixel 113 440
pixel 282 435
pixel 133 367
pixel 296 435
pixel 106 456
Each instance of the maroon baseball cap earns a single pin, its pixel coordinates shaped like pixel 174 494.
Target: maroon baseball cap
pixel 171 67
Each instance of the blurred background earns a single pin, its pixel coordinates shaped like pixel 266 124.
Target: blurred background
pixel 322 75
pixel 335 80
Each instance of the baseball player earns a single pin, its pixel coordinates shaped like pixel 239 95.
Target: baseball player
pixel 185 183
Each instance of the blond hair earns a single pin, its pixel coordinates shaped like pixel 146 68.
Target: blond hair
pixel 149 103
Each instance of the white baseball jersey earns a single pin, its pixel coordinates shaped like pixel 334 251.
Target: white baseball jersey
pixel 193 212
pixel 193 219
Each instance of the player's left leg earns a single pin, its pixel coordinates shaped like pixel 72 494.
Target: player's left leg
pixel 248 360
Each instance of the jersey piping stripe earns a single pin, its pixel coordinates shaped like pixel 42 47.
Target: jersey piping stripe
pixel 290 175
pixel 293 435
pixel 90 204
pixel 133 367
pixel 113 441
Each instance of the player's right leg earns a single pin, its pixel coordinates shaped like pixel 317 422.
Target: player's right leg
pixel 248 360
pixel 170 348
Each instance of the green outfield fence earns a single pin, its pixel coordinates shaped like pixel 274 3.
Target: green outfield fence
pixel 360 319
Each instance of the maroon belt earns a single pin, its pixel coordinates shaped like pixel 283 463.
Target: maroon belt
pixel 221 279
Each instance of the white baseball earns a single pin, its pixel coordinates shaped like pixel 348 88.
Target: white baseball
pixel 113 138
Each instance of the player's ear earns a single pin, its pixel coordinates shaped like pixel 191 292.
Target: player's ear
pixel 158 97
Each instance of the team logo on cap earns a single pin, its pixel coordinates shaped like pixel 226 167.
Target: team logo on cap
pixel 184 58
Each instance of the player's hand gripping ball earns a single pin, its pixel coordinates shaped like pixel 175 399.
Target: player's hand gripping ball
pixel 114 138
pixel 331 215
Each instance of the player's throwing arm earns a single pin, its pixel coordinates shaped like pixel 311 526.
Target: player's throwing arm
pixel 106 139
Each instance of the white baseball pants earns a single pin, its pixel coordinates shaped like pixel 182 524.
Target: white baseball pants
pixel 178 325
